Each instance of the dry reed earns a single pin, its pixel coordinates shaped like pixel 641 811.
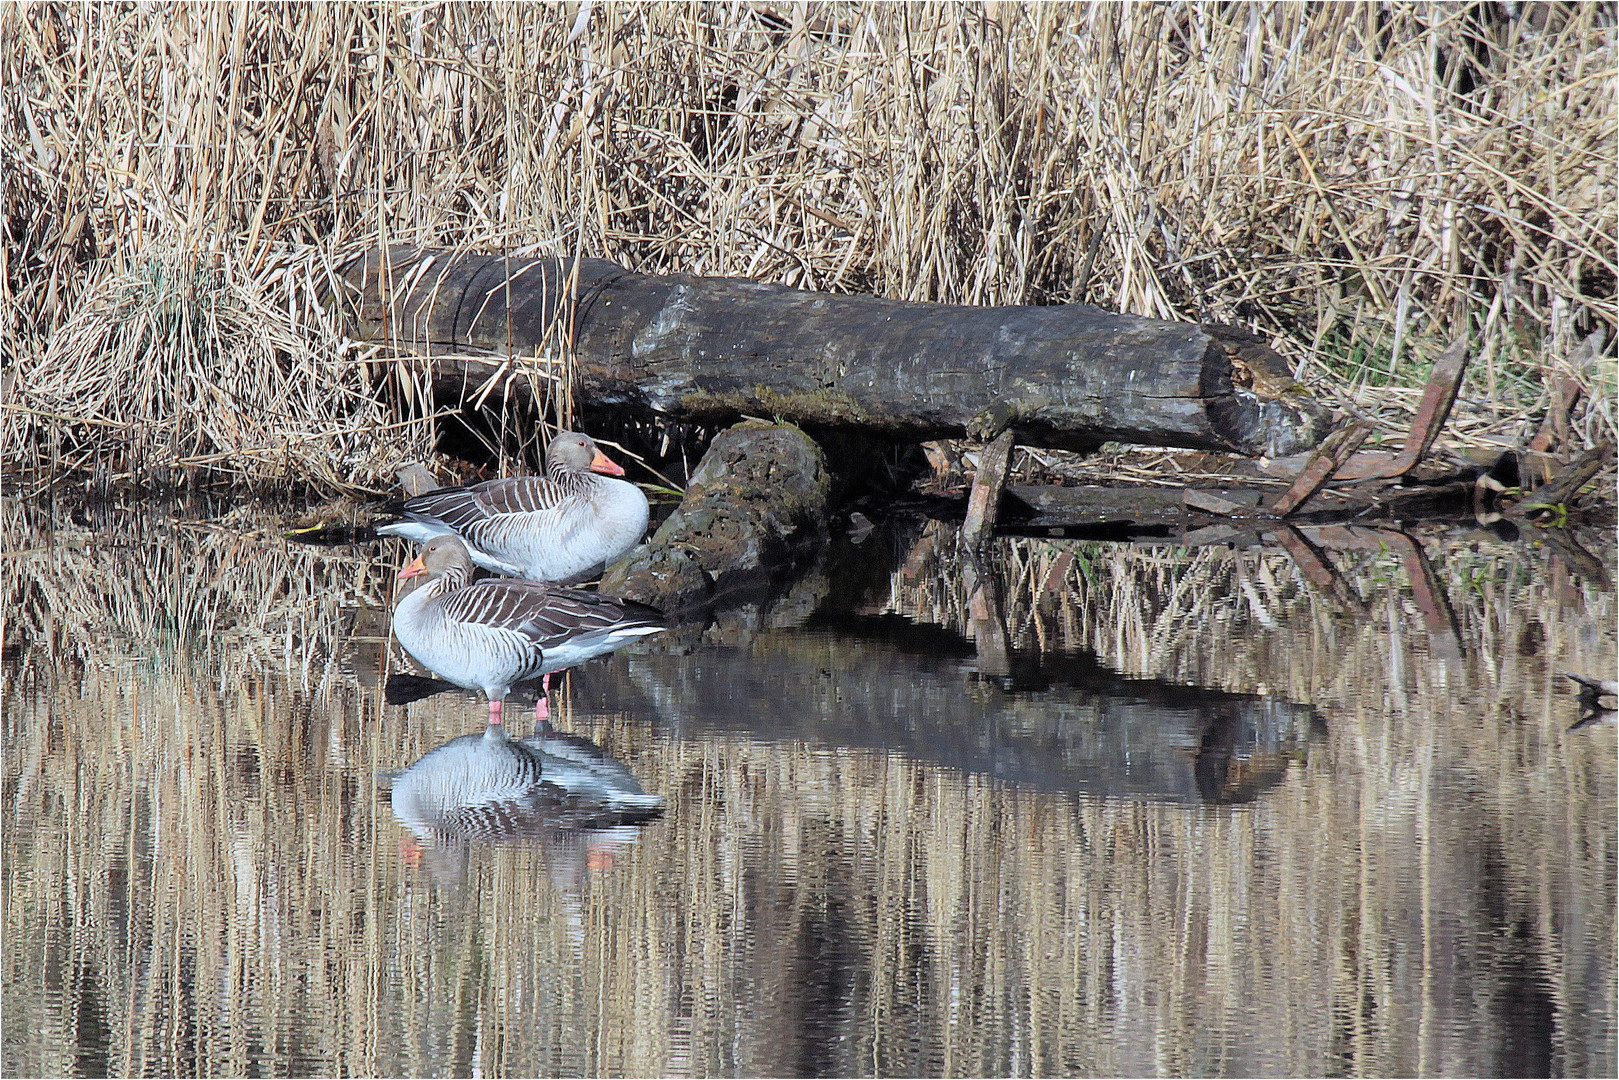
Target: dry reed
pixel 1358 182
pixel 182 367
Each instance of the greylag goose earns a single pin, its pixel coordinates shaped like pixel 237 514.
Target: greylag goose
pixel 584 786
pixel 566 526
pixel 490 634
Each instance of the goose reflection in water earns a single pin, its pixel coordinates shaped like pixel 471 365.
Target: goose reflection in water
pixel 560 791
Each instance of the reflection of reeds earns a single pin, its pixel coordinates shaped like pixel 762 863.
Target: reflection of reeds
pixel 222 596
pixel 203 838
pixel 1359 187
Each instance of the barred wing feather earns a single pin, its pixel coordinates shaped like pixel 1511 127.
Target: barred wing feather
pixel 546 614
pixel 467 508
pixel 524 494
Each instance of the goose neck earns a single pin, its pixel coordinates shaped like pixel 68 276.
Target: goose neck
pixel 437 585
pixel 571 478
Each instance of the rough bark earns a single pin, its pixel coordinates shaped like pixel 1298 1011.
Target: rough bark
pixel 984 503
pixel 713 349
pixel 758 495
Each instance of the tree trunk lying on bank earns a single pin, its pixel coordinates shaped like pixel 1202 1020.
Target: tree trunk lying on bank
pixel 712 349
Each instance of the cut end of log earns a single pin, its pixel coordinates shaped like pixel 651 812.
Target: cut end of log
pixel 1254 401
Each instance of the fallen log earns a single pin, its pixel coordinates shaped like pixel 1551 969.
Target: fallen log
pixel 1038 508
pixel 713 349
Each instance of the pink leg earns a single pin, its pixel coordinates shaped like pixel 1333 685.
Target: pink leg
pixel 494 710
pixel 542 707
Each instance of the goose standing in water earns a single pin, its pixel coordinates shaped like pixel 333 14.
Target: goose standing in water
pixel 490 634
pixel 566 526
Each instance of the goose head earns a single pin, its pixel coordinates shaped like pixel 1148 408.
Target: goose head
pixel 440 556
pixel 572 452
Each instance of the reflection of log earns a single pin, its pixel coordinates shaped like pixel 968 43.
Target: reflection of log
pixel 988 616
pixel 1068 724
pixel 1426 588
pixel 713 348
pixel 1318 569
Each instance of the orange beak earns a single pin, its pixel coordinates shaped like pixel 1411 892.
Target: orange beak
pixel 603 464
pixel 414 567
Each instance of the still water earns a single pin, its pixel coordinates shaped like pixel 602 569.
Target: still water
pixel 1089 809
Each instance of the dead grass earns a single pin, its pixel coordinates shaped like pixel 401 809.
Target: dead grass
pixel 175 366
pixel 1358 182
